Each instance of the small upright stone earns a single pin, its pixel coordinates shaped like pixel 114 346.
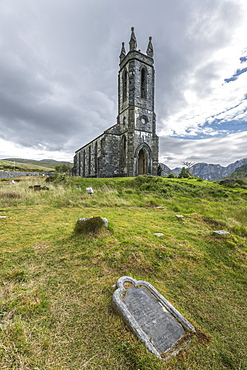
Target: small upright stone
pixel 91 225
pixel 221 232
pixel 89 190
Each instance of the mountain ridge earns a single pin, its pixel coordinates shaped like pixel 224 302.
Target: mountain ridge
pixel 208 172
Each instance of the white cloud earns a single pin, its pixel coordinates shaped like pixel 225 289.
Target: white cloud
pixel 58 71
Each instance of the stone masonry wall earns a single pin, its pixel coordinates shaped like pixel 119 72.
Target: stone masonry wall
pixel 12 174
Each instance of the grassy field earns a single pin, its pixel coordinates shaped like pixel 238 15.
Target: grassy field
pixel 56 286
pixel 18 166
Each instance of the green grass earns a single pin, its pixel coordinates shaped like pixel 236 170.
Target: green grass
pixel 24 166
pixel 56 285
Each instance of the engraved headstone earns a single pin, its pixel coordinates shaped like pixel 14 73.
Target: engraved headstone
pixel 153 319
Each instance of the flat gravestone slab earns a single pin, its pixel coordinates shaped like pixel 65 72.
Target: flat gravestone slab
pixel 156 322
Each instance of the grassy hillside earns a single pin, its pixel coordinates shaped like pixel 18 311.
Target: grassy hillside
pixel 23 166
pixel 56 286
pixel 240 173
pixel 30 164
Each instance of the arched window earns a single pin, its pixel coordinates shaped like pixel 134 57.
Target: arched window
pixel 125 76
pixel 84 164
pixel 96 158
pixel 89 160
pixel 143 83
pixel 123 152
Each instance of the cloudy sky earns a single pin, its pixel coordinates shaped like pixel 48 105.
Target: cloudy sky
pixel 59 64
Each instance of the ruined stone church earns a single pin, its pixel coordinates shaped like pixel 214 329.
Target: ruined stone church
pixel 130 147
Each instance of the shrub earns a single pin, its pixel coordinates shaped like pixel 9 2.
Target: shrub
pixel 185 173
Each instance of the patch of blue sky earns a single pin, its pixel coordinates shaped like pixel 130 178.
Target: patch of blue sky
pixel 216 128
pixel 236 74
pixel 243 59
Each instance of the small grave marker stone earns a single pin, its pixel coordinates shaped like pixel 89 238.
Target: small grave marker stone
pixel 221 232
pixel 90 225
pixel 89 190
pixel 159 234
pixel 153 319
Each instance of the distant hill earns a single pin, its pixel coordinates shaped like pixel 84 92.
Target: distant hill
pixel 165 170
pixel 214 172
pixel 42 165
pixel 239 173
pixel 209 172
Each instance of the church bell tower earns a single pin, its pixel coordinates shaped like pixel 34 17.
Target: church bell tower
pixel 136 116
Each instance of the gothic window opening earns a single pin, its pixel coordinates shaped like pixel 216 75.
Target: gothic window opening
pixel 96 158
pixel 84 164
pixel 125 85
pixel 102 148
pixel 123 151
pixel 89 160
pixel 143 83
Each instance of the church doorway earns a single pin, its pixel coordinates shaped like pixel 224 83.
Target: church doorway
pixel 142 162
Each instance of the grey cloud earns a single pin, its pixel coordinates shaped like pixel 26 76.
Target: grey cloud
pixel 214 150
pixel 58 71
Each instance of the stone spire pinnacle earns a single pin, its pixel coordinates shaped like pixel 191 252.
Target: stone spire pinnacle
pixel 150 49
pixel 123 52
pixel 133 43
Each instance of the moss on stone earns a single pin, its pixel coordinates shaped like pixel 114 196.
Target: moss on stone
pixel 89 226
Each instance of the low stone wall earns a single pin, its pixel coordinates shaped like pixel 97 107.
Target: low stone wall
pixel 11 174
